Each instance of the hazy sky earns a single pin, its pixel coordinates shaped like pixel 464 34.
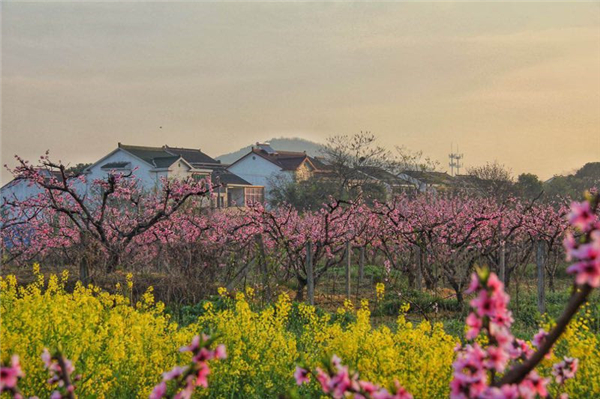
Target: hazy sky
pixel 519 83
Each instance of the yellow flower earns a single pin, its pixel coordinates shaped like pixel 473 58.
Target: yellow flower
pixel 121 349
pixel 380 291
pixel 129 279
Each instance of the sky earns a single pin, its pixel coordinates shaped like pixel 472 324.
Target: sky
pixel 514 82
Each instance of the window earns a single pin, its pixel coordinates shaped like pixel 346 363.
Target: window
pixel 254 194
pixel 198 176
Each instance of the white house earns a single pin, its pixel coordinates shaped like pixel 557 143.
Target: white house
pixel 21 189
pixel 424 181
pixel 263 164
pixel 149 165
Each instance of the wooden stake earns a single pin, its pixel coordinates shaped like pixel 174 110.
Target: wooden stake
pixel 419 269
pixel 541 274
pixel 310 274
pixel 348 263
pixel 503 263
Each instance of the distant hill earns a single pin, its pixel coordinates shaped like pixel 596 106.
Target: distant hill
pixel 283 144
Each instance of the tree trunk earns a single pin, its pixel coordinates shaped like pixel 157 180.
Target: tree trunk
pixel 84 271
pixel 503 263
pixel 458 291
pixel 419 269
pixel 361 265
pixel 241 274
pixel 310 274
pixel 540 270
pixel 508 277
pixel 348 263
pixel 113 261
pixel 262 265
pixel 551 282
pixel 411 269
pixel 300 289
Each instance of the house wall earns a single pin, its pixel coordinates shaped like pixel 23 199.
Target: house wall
pixel 304 172
pixel 19 190
pixel 419 185
pixel 179 171
pixel 257 171
pixel 149 180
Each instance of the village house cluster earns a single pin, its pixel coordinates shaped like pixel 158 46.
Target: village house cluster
pixel 247 180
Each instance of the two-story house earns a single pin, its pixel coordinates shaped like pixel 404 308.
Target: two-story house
pixel 263 164
pixel 152 164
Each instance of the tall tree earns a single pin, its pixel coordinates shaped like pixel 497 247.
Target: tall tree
pixel 529 186
pixel 493 178
pixel 347 155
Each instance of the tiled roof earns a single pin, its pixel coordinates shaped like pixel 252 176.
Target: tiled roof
pixel 319 163
pixel 379 174
pixel 163 157
pixel 148 154
pixel 430 177
pixel 116 165
pixel 165 162
pixel 288 160
pixel 225 177
pixel 192 155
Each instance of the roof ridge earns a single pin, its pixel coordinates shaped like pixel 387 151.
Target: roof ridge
pixel 169 156
pixel 139 147
pixel 182 148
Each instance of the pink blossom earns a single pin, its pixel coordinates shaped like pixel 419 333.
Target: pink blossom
pixel 503 392
pixel 565 369
pixel 159 391
pixel 301 375
pixel 401 392
pixel 496 358
pixel 474 323
pixel 539 338
pixel 9 375
pixel 201 377
pixel 588 266
pixel 195 345
pixel 368 387
pixel 323 379
pixel 176 372
pixel 581 216
pixel 339 383
pixel 534 385
pixel 221 352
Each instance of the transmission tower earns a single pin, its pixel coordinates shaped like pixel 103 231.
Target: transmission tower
pixel 455 160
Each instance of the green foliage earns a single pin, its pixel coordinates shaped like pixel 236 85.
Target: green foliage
pixel 529 186
pixel 306 195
